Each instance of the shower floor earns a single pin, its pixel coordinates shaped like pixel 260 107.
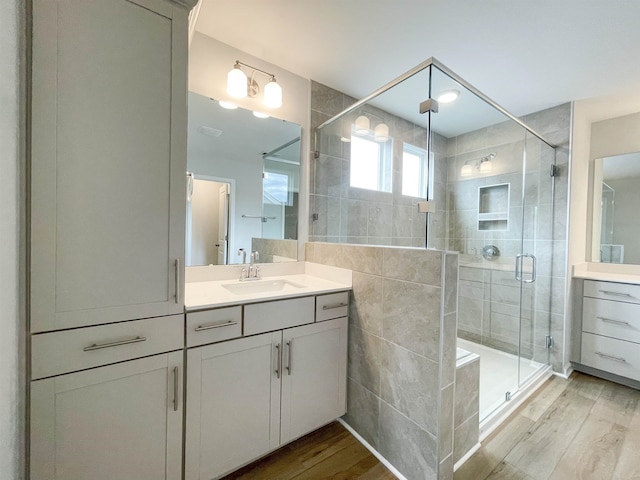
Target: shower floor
pixel 498 374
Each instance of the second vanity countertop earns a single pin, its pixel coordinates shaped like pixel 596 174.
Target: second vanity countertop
pixel 205 289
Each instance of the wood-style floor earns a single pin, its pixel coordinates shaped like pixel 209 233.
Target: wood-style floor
pixel 583 428
pixel 330 452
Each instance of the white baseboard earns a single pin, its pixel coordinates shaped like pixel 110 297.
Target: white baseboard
pixel 467 456
pixel 375 453
pixel 567 374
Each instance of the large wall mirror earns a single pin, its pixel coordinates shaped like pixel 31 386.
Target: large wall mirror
pixel 616 197
pixel 615 190
pixel 243 184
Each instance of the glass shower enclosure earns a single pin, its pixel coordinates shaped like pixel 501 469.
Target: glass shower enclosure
pixel 486 183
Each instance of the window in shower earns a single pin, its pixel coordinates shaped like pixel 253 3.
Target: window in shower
pixel 415 171
pixel 370 163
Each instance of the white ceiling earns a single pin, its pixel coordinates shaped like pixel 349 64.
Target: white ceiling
pixel 525 55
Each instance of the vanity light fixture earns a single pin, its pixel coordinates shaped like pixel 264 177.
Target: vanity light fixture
pixel 448 96
pixel 260 115
pixel 240 86
pixel 362 125
pixel 484 165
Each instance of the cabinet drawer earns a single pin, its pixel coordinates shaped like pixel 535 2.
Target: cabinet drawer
pixel 70 350
pixel 265 317
pixel 612 319
pixel 621 292
pixel 213 326
pixel 611 355
pixel 334 305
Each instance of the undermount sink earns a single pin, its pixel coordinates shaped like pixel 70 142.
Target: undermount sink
pixel 261 286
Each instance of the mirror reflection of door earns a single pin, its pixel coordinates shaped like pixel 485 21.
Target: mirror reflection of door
pixel 208 223
pixel 223 223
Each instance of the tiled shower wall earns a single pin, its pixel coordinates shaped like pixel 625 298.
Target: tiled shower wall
pixel 490 297
pixel 354 215
pixel 402 334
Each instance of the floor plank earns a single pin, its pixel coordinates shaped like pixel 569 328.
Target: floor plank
pixel 590 430
pixel 330 452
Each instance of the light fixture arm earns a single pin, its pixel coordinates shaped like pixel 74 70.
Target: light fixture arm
pixel 255 69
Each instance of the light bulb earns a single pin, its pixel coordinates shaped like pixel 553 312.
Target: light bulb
pixel 466 171
pixel 237 83
pixel 362 125
pixel 448 96
pixel 381 133
pixel 227 105
pixel 486 166
pixel 273 94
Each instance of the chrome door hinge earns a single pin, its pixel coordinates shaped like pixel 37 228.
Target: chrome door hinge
pixel 554 171
pixel 316 154
pixel 548 341
pixel 507 396
pixel 429 105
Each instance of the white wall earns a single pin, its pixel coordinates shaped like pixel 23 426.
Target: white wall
pixel 11 291
pixel 209 63
pixel 586 112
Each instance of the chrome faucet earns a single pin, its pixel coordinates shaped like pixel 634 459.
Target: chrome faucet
pixel 242 252
pixel 254 270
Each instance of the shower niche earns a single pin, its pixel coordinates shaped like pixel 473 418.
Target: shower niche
pixel 493 207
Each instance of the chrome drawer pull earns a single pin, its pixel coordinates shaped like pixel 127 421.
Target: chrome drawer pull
pixel 611 320
pixel 209 326
pixel 335 305
pixel 175 389
pixel 289 344
pixel 611 357
pixel 278 361
pixel 98 346
pixel 616 294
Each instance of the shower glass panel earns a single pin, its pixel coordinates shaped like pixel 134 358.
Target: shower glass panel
pixel 372 169
pixel 490 188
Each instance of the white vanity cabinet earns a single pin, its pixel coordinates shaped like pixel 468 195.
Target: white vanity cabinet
pixel 121 421
pixel 108 160
pixel 248 396
pixel 610 339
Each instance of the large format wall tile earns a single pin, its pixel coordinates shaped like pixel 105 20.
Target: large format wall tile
pixel 362 411
pixel 365 309
pixel 419 266
pixel 411 317
pixel 364 359
pixel 467 391
pixel 409 383
pixel 411 449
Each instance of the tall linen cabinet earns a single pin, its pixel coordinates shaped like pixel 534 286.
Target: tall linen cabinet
pixel 107 196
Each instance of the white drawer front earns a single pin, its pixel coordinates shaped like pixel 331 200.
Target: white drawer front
pixel 613 319
pixel 334 305
pixel 66 351
pixel 621 292
pixel 269 316
pixel 212 326
pixel 611 355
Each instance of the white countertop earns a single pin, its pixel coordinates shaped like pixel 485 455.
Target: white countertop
pixel 316 279
pixel 607 273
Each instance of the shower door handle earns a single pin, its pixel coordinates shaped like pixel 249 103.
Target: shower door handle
pixel 533 267
pixel 519 261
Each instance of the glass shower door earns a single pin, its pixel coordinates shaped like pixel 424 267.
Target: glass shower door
pixel 535 263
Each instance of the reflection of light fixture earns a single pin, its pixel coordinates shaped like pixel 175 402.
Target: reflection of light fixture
pixel 227 105
pixel 448 96
pixel 381 133
pixel 362 126
pixel 484 165
pixel 240 86
pixel 260 115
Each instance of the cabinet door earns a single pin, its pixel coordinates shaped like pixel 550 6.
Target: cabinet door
pixel 108 161
pixel 121 421
pixel 314 376
pixel 233 404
